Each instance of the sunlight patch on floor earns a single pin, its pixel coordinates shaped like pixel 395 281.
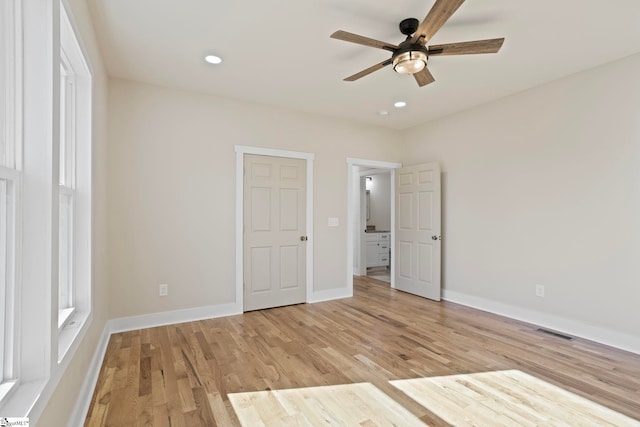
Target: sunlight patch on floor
pixel 340 405
pixel 507 398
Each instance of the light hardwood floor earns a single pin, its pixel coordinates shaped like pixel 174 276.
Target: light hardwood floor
pixel 182 375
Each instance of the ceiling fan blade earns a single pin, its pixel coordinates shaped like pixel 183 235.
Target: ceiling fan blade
pixel 368 71
pixel 424 77
pixel 437 16
pixel 365 41
pixel 467 48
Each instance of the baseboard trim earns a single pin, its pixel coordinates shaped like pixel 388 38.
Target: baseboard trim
pixel 579 329
pixel 330 294
pixel 164 318
pixel 81 408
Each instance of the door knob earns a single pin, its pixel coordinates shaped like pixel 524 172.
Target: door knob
pixel 436 237
pixel 303 238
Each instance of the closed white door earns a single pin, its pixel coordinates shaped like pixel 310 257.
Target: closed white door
pixel 418 227
pixel 274 223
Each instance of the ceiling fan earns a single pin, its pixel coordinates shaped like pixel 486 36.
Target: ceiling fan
pixel 411 56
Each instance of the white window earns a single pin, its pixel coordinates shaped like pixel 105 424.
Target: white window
pixel 10 176
pixel 66 183
pixel 74 188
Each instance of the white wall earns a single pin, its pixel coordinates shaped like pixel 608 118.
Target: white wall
pixel 543 187
pixel 380 201
pixel 172 191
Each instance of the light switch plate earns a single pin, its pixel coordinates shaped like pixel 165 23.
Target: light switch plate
pixel 333 222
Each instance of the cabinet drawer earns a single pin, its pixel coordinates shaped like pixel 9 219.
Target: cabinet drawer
pixel 384 247
pixel 384 259
pixel 384 237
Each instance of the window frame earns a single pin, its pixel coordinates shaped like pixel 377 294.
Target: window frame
pixel 74 173
pixel 66 289
pixel 66 189
pixel 11 174
pixel 9 281
pixel 12 82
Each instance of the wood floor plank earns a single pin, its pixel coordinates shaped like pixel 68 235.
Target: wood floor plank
pixel 161 416
pixel 348 404
pixel 507 398
pixel 182 375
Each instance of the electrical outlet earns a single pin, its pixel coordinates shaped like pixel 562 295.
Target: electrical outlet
pixel 540 291
pixel 164 290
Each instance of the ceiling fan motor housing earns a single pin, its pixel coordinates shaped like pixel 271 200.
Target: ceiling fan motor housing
pixel 409 26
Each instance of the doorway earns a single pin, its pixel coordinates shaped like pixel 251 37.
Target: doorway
pixel 415 238
pixel 376 226
pixel 357 170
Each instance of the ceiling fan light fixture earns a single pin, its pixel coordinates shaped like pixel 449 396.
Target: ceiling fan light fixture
pixel 410 62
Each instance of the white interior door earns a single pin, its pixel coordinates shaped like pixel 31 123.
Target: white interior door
pixel 274 222
pixel 418 230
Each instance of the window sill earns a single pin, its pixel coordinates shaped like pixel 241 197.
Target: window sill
pixel 6 389
pixel 21 400
pixel 63 317
pixel 27 399
pixel 70 332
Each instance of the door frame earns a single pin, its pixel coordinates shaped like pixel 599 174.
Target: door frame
pixel 353 214
pixel 241 150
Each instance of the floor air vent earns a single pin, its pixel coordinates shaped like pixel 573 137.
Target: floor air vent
pixel 555 334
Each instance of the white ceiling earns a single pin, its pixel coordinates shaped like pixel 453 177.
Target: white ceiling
pixel 278 52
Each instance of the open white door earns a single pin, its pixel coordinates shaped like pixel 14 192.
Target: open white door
pixel 417 231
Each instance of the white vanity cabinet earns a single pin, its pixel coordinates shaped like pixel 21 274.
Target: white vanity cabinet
pixel 377 249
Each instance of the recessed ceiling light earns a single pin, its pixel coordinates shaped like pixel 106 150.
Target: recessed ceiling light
pixel 212 59
pixel 383 113
pixel 400 104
